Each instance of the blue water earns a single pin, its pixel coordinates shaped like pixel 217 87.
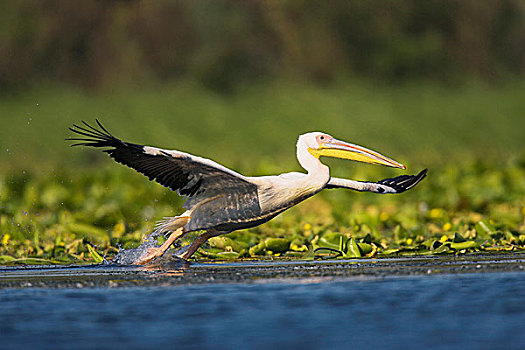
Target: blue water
pixel 476 311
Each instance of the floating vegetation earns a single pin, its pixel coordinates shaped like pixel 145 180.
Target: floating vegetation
pixel 86 218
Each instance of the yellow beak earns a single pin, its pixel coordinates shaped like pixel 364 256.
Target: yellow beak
pixel 345 150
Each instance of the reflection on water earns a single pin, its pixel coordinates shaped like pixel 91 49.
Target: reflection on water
pixel 177 268
pixel 444 311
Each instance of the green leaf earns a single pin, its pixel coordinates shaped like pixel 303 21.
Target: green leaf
pixel 223 242
pixel 331 240
pixel 458 238
pixel 94 255
pixel 352 249
pixel 484 229
pixel 390 251
pixel 228 255
pixel 6 258
pixel 310 255
pixel 329 253
pixel 443 249
pixel 365 248
pixel 464 245
pixel 277 245
pixel 367 239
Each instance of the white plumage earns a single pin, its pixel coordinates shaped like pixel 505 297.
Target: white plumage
pixel 220 200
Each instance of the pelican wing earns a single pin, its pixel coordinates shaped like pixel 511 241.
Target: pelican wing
pixel 395 185
pixel 404 182
pixel 196 178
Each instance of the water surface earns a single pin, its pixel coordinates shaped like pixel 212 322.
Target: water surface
pixel 460 311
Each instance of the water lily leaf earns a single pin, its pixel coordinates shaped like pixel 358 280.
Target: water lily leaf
pixel 298 247
pixel 464 245
pixel 223 242
pixel 228 255
pixel 458 238
pixel 365 248
pixel 428 243
pixel 257 249
pixel 371 253
pixel 443 249
pixel 310 255
pixel 331 240
pixel 484 229
pixel 497 235
pixel 367 239
pixel 390 251
pixel 6 258
pixel 206 253
pixel 327 253
pixel 436 244
pixel 352 249
pixel 276 245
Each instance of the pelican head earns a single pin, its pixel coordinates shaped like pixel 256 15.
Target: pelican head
pixel 320 144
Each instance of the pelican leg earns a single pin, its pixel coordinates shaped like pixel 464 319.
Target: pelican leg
pixel 154 252
pixel 196 244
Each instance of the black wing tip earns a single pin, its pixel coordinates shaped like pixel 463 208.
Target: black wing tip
pixel 92 136
pixel 418 178
pixel 404 182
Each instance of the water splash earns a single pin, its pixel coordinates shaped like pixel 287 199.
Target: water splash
pixel 134 255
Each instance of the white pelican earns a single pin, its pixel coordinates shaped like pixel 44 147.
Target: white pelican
pixel 220 200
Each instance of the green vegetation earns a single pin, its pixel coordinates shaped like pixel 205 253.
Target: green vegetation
pixel 420 124
pixel 222 43
pixel 56 207
pixel 54 218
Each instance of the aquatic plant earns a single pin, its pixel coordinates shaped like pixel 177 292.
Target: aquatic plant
pixel 71 217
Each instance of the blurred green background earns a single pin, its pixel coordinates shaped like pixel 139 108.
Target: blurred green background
pixel 238 81
pixel 437 84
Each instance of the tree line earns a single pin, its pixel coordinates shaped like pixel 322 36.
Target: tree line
pixel 223 43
